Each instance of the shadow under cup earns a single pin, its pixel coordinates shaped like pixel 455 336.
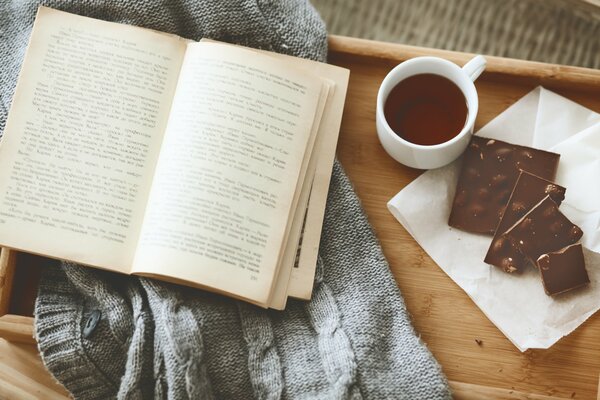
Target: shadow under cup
pixel 426 109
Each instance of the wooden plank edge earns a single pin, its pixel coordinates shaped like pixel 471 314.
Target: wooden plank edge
pixel 7 271
pixel 469 391
pixel 552 75
pixel 17 328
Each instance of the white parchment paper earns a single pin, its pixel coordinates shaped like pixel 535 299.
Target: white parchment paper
pixel 517 304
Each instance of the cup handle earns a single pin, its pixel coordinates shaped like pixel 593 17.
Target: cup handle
pixel 475 67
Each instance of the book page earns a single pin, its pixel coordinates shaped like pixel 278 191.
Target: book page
pixel 228 171
pixel 303 273
pixel 315 186
pixel 83 136
pixel 288 258
pixel 279 296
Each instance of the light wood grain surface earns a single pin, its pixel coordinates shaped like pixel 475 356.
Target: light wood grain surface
pixel 22 374
pixel 7 271
pixel 448 321
pixel 445 317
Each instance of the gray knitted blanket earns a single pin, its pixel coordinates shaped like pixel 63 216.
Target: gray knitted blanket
pixel 104 335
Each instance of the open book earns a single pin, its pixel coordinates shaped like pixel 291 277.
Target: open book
pixel 200 163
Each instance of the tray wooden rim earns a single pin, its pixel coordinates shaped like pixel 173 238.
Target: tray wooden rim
pixel 552 75
pixel 19 328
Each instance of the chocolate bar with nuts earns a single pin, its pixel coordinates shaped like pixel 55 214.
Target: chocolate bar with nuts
pixel 563 270
pixel 544 229
pixel 528 191
pixel 489 171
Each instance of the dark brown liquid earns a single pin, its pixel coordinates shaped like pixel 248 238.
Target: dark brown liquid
pixel 426 109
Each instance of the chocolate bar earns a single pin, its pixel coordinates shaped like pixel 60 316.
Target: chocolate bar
pixel 528 191
pixel 489 171
pixel 563 270
pixel 542 230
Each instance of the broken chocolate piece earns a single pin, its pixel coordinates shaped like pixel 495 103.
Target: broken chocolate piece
pixel 489 171
pixel 528 191
pixel 563 270
pixel 542 230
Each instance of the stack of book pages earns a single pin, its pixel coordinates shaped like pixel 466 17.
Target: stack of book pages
pixel 199 163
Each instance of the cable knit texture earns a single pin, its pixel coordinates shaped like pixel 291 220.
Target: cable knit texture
pixel 353 340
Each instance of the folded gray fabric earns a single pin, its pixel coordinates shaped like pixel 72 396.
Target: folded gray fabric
pixel 104 335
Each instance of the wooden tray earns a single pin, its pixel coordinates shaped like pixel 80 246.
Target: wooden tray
pixel 447 320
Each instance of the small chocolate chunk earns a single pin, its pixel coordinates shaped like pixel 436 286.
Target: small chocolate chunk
pixel 508 265
pixel 563 270
pixel 528 191
pixel 461 198
pixel 498 181
pixel 489 171
pixel 517 207
pixel 483 193
pixel 504 154
pixel 542 230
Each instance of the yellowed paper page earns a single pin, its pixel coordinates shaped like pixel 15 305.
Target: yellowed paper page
pixel 302 277
pixel 294 231
pixel 82 138
pixel 286 265
pixel 231 160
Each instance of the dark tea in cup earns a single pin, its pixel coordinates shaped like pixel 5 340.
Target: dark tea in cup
pixel 426 109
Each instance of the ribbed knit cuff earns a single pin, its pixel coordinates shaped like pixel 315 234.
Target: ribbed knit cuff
pixel 60 315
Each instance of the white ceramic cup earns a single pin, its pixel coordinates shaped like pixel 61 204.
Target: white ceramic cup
pixel 438 155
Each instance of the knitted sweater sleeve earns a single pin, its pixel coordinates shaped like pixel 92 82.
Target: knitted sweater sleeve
pixel 104 335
